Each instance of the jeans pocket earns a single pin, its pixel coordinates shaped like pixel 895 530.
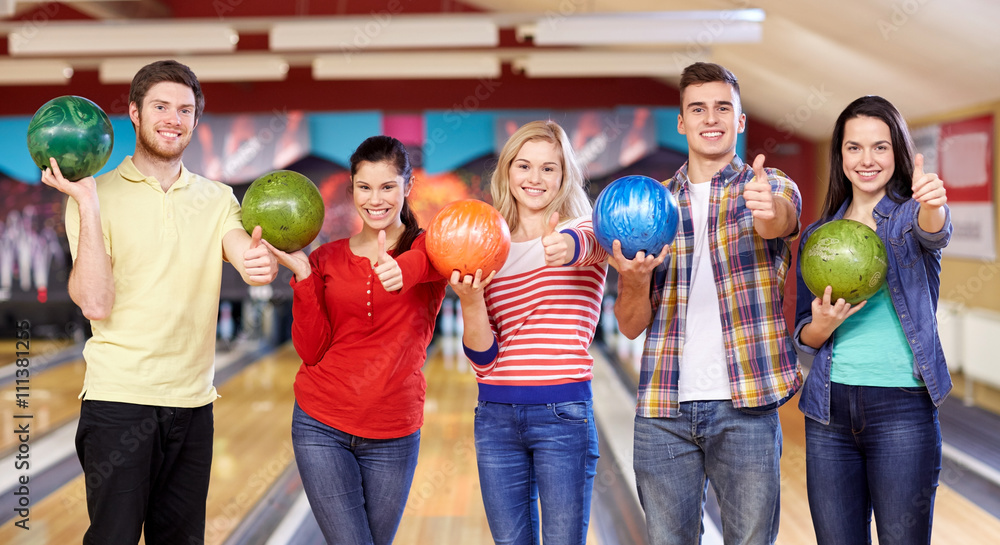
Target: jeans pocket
pixel 915 390
pixel 573 412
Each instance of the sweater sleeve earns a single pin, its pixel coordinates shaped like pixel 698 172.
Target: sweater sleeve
pixel 588 251
pixel 415 266
pixel 312 331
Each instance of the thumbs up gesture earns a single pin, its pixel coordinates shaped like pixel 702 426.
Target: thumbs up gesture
pixel 556 245
pixel 757 192
pixel 928 189
pixel 259 263
pixel 386 268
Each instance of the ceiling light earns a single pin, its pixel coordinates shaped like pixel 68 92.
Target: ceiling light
pixel 34 72
pixel 407 66
pixel 682 27
pixel 355 34
pixel 571 64
pixel 208 68
pixel 137 39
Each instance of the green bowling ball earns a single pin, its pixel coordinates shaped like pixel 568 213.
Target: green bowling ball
pixel 846 255
pixel 287 206
pixel 76 132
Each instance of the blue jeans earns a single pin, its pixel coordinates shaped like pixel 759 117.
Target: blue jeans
pixel 881 451
pixel 357 487
pixel 146 470
pixel 537 453
pixel 737 450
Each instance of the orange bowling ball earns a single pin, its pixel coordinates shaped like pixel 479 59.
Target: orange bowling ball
pixel 467 235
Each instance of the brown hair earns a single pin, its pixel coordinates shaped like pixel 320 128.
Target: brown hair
pixel 707 72
pixel 168 70
pixel 899 188
pixel 386 149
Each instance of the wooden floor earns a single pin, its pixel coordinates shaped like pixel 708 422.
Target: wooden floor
pixel 253 448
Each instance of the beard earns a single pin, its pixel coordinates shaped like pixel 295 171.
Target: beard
pixel 149 141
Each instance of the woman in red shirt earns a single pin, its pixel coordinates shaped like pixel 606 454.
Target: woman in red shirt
pixel 363 312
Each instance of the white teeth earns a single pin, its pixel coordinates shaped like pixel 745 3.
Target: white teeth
pixel 377 213
pixel 868 174
pixel 532 191
pixel 711 134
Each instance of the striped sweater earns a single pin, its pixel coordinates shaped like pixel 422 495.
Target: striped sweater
pixel 543 319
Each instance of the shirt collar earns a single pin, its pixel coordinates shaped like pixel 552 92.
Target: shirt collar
pixel 884 208
pixel 128 170
pixel 728 173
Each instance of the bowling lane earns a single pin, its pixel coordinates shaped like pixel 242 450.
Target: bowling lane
pixel 52 401
pixel 445 503
pixel 37 348
pixel 252 448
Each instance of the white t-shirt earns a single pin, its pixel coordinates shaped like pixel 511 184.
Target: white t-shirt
pixel 703 372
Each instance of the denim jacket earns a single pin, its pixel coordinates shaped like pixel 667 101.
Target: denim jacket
pixel 914 257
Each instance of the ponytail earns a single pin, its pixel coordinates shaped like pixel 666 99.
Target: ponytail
pixel 412 230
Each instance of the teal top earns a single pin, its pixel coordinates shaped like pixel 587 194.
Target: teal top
pixel 870 348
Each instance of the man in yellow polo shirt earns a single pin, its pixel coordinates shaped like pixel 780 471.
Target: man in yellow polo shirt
pixel 148 243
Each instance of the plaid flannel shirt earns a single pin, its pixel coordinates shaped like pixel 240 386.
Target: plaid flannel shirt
pixel 749 274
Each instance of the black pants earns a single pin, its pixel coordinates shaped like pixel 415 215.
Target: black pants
pixel 145 464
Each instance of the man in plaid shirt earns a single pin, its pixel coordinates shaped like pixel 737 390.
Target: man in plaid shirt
pixel 718 359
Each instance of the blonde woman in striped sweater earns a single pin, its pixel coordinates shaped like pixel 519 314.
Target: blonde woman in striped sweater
pixel 527 329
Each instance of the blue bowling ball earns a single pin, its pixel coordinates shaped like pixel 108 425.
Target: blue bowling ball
pixel 638 211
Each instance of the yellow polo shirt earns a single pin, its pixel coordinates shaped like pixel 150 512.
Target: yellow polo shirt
pixel 157 347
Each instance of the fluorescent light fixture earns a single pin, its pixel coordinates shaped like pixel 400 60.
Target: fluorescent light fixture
pixel 34 72
pixel 574 64
pixel 208 68
pixel 407 66
pixel 356 34
pixel 134 39
pixel 682 27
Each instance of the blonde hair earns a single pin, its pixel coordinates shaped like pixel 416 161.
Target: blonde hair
pixel 571 200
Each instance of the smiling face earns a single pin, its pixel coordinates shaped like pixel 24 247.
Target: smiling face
pixel 711 118
pixel 167 120
pixel 535 175
pixel 379 193
pixel 869 162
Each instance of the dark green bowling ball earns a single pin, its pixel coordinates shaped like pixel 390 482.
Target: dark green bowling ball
pixel 75 131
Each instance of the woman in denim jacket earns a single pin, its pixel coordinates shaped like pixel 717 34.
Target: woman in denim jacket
pixel 872 436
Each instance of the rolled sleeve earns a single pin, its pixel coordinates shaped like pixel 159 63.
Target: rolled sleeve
pixel 784 187
pixel 933 241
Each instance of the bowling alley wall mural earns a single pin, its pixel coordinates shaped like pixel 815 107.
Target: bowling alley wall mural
pixel 453 156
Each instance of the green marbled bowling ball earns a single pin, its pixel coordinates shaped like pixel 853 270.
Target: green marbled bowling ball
pixel 846 255
pixel 75 131
pixel 287 206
